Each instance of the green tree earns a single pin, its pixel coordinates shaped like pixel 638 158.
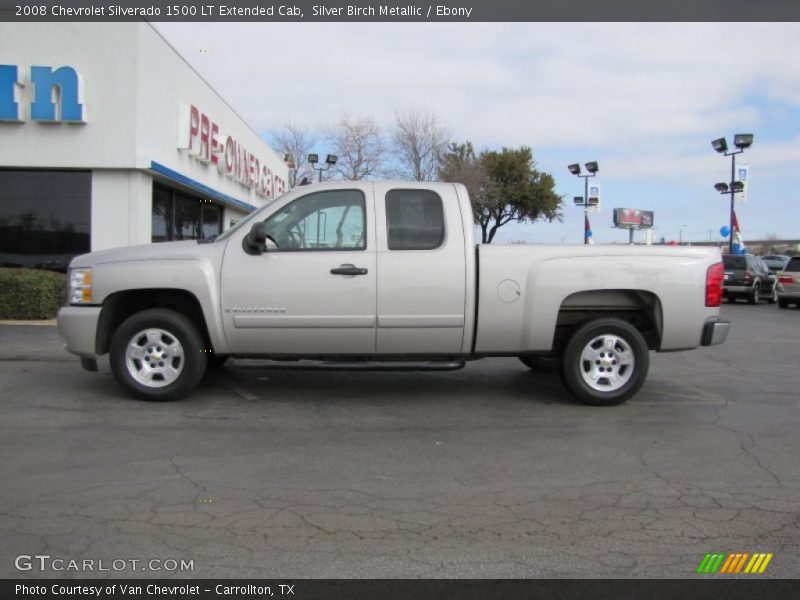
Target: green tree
pixel 504 186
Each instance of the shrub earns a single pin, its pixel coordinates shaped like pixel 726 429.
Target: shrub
pixel 31 293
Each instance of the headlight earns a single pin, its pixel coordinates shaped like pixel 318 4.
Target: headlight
pixel 79 287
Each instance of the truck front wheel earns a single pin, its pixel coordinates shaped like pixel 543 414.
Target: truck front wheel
pixel 157 354
pixel 605 362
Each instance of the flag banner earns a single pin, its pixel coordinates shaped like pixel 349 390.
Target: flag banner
pixel 594 198
pixel 742 174
pixel 737 233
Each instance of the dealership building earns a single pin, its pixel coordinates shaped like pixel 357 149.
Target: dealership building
pixel 108 137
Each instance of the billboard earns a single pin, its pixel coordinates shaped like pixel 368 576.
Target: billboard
pixel 633 218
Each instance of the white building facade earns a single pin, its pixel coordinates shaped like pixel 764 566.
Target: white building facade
pixel 109 138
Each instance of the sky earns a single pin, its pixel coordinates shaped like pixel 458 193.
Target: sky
pixel 644 100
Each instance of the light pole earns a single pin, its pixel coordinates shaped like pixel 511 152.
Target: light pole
pixel 742 141
pixel 575 169
pixel 680 235
pixel 330 160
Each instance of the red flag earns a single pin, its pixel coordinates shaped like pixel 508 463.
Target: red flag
pixel 736 223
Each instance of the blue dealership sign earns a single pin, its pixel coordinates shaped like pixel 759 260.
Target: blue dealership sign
pixel 67 105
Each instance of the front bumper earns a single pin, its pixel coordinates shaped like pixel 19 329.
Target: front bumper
pixel 77 326
pixel 715 332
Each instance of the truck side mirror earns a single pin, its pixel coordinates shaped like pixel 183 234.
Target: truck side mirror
pixel 255 241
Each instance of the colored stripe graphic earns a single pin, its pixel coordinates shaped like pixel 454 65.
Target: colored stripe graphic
pixel 733 562
pixel 710 563
pixel 741 562
pixel 758 563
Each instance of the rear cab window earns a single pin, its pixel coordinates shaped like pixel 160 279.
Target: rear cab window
pixel 414 220
pixel 731 261
pixel 793 265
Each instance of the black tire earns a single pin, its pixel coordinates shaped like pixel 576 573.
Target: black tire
pixel 782 303
pixel 542 363
pixel 773 297
pixel 755 295
pixel 573 367
pixel 192 363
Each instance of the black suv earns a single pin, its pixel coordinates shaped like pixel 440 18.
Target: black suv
pixel 746 276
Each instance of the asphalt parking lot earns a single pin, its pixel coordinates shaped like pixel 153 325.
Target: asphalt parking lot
pixel 487 472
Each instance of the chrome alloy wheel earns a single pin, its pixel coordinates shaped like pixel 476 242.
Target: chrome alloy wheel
pixel 154 358
pixel 607 363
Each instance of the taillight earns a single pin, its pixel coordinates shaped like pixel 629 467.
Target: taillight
pixel 714 277
pixel 748 279
pixel 786 279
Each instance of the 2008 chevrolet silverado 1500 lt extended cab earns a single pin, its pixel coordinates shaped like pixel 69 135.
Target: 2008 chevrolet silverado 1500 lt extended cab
pixel 386 275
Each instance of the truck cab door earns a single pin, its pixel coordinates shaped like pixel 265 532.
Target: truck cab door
pixel 312 292
pixel 421 269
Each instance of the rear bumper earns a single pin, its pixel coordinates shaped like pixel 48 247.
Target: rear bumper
pixel 77 326
pixel 737 289
pixel 715 332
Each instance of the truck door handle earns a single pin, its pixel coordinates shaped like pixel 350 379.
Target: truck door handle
pixel 348 269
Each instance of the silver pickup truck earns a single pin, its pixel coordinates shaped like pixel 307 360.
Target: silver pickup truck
pixel 386 275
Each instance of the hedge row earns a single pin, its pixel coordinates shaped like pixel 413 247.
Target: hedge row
pixel 31 293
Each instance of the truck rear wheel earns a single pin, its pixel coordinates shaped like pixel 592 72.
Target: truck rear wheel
pixel 605 362
pixel 157 354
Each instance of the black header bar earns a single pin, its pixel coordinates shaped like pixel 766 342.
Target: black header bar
pixel 411 11
pixel 701 588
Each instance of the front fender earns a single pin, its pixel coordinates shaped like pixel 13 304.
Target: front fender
pixel 198 277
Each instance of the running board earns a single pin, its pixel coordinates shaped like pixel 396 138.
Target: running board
pixel 314 365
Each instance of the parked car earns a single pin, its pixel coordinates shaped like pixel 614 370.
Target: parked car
pixel 789 283
pixel 386 276
pixel 775 262
pixel 746 276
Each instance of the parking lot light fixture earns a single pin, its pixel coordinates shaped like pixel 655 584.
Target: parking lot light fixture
pixel 742 141
pixel 575 169
pixel 720 145
pixel 330 160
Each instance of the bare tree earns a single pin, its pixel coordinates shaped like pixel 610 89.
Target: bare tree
pixel 358 145
pixel 420 140
pixel 293 141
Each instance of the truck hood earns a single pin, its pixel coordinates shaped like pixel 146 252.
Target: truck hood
pixel 185 250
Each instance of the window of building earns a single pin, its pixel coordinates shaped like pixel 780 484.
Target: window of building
pixel 414 219
pixel 181 216
pixel 331 220
pixel 45 217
